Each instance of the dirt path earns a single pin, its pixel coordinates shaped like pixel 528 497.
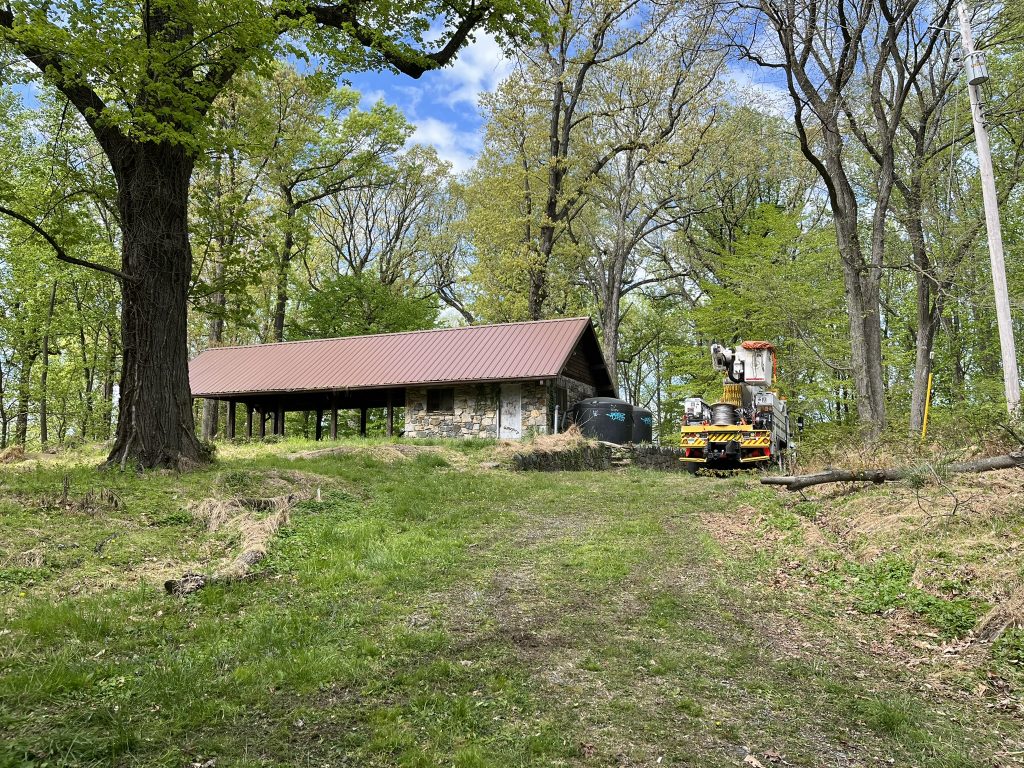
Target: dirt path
pixel 671 651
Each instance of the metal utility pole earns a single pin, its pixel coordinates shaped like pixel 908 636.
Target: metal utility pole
pixel 977 74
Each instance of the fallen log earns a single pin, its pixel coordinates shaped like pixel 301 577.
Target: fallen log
pixel 1004 615
pixel 798 482
pixel 256 537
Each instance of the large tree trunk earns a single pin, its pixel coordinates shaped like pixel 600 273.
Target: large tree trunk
pixel 862 282
pixel 108 385
pixel 155 425
pixel 865 334
pixel 928 314
pixel 4 419
pixel 611 318
pixel 284 262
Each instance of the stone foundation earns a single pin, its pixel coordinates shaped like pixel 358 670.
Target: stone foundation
pixel 591 455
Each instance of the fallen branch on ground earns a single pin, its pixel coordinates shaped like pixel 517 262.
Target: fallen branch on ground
pixel 256 535
pixel 798 482
pixel 1003 616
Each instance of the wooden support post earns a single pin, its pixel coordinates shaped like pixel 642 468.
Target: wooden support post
pixel 279 421
pixel 249 410
pixel 319 424
pixel 391 415
pixel 362 421
pixel 229 430
pixel 263 422
pixel 334 423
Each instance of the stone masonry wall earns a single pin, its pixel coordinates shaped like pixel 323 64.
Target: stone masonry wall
pixel 590 454
pixel 576 390
pixel 535 409
pixel 475 413
pixel 476 409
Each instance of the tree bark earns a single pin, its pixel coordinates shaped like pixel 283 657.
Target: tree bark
pixel 862 284
pixel 24 394
pixel 284 261
pixel 798 482
pixel 44 438
pixel 155 425
pixel 4 419
pixel 928 312
pixel 611 318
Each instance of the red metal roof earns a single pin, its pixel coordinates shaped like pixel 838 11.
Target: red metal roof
pixel 511 351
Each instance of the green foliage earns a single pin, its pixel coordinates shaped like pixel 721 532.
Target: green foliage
pixel 1009 648
pixel 349 305
pixel 887 583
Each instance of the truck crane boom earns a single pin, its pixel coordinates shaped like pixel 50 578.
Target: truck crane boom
pixel 749 425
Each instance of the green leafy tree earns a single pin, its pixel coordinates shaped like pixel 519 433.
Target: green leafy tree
pixel 351 305
pixel 144 78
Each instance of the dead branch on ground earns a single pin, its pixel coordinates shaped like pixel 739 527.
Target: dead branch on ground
pixel 883 475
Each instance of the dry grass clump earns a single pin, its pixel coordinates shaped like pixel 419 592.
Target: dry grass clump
pixel 860 454
pixel 1005 615
pixel 254 520
pixel 962 535
pixel 12 454
pixel 569 440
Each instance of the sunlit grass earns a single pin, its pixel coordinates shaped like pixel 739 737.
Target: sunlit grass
pixel 426 612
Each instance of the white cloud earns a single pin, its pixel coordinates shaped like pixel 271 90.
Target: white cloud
pixel 370 97
pixel 479 67
pixel 757 93
pixel 453 145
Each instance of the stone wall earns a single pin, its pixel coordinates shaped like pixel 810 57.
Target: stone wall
pixel 585 456
pixel 535 409
pixel 475 413
pixel 577 390
pixel 590 455
pixel 476 409
pixel 661 457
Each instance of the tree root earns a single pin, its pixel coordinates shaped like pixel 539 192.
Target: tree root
pixel 797 482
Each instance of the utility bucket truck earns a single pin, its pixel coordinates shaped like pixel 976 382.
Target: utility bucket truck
pixel 749 426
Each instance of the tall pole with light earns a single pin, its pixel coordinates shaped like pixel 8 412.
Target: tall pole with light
pixel 977 73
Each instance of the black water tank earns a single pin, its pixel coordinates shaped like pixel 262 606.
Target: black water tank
pixel 643 425
pixel 604 418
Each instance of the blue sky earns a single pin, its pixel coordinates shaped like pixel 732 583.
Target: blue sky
pixel 443 104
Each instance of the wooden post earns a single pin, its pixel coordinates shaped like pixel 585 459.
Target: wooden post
pixel 391 415
pixel 230 426
pixel 263 422
pixel 319 424
pixel 362 421
pixel 279 421
pixel 248 420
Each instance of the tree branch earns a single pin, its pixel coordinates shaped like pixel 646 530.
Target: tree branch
pixel 61 254
pixel 405 59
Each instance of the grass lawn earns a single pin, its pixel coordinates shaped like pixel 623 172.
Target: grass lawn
pixel 426 611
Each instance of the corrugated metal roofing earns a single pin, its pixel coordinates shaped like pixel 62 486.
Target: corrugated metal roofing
pixel 530 350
